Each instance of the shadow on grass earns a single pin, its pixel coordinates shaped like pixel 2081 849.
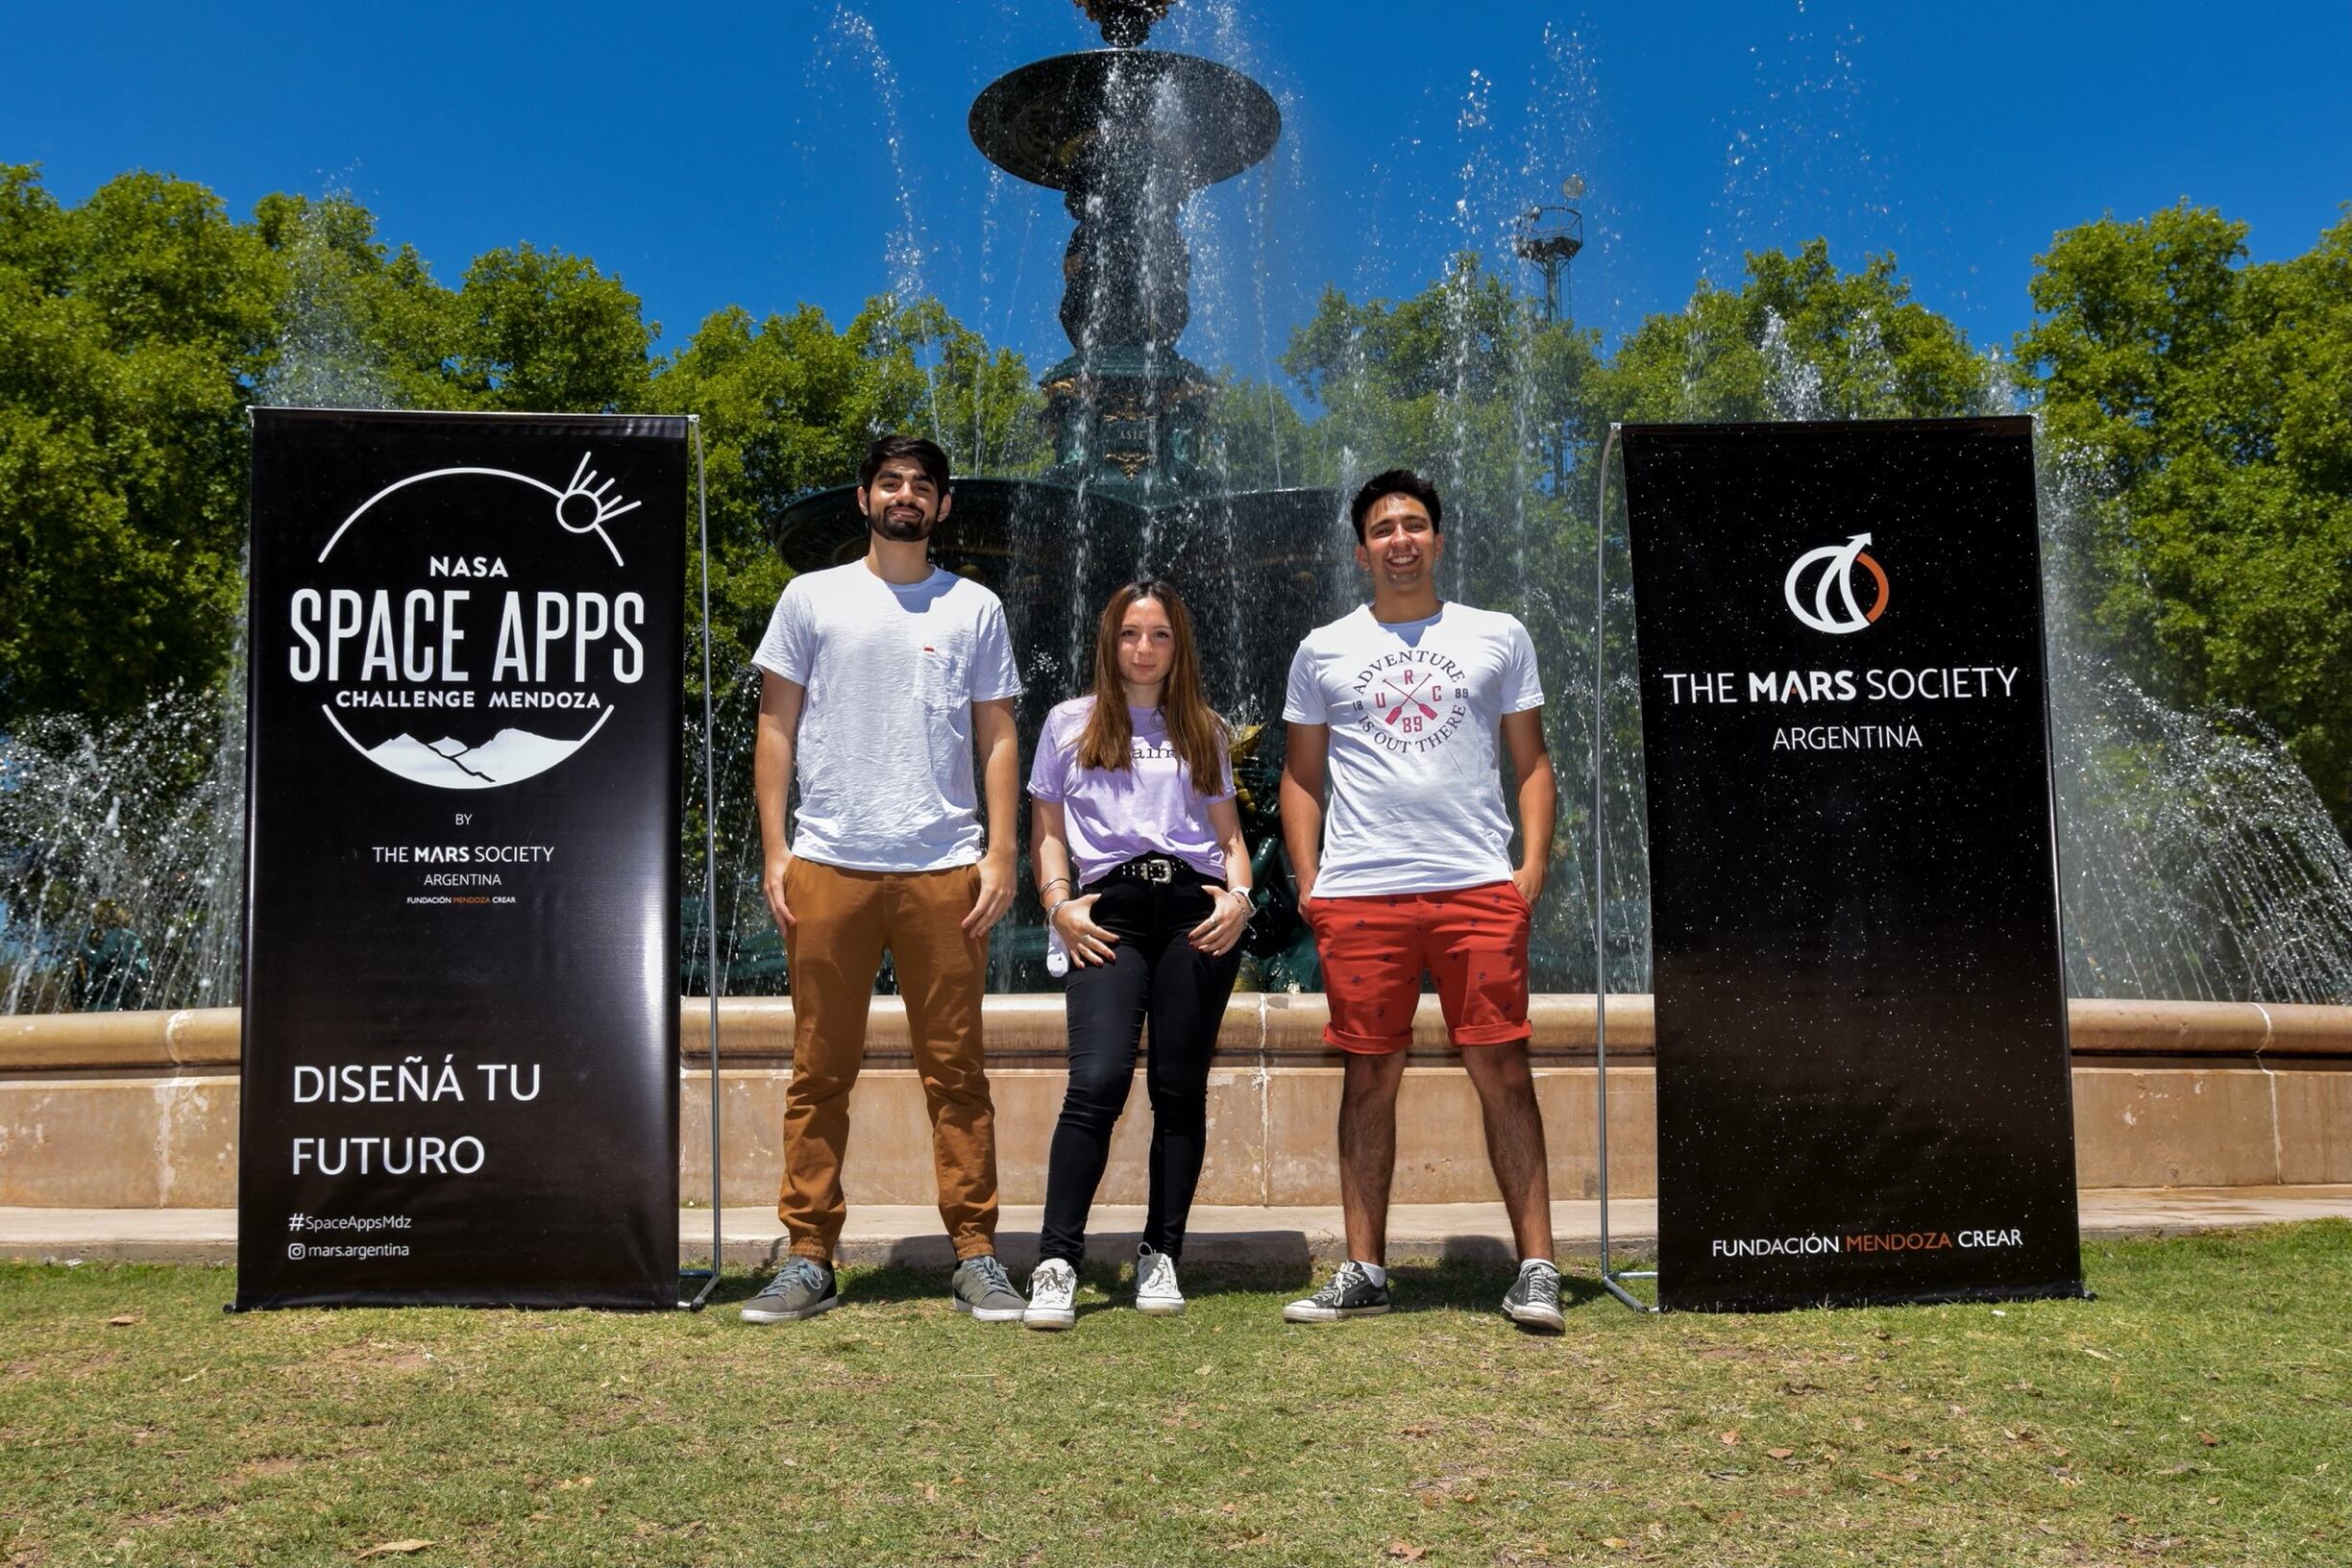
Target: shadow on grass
pixel 1471 1283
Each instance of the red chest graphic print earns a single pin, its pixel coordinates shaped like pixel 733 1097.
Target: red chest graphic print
pixel 1410 701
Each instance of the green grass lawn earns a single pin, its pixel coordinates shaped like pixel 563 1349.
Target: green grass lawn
pixel 2199 1411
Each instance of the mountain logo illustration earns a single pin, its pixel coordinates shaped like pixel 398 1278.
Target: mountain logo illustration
pixel 509 757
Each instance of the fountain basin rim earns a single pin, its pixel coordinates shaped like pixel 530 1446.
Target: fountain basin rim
pixel 1030 1024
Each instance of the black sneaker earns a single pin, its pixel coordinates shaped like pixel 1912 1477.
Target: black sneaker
pixel 1349 1293
pixel 801 1289
pixel 1532 1302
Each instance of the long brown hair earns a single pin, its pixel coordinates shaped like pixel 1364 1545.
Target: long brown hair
pixel 1195 730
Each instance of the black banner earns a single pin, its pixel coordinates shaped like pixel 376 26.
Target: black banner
pixel 1863 1084
pixel 460 1017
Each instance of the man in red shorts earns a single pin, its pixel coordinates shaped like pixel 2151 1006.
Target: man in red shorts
pixel 1398 712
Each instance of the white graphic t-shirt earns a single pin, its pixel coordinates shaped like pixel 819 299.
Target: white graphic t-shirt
pixel 884 753
pixel 1415 710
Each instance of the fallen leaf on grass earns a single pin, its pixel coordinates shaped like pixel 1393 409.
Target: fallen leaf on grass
pixel 2209 1439
pixel 121 1320
pixel 574 1485
pixel 1407 1552
pixel 1729 1440
pixel 1778 1453
pixel 1615 1543
pixel 392 1548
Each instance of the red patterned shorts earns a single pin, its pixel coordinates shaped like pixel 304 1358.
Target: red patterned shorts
pixel 1374 949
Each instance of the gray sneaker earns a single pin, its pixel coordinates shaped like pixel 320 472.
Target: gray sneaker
pixel 1532 1301
pixel 1349 1293
pixel 980 1287
pixel 801 1289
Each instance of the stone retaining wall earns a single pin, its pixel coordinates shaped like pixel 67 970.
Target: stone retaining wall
pixel 139 1110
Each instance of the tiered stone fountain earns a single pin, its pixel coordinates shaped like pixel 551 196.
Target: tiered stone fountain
pixel 1128 135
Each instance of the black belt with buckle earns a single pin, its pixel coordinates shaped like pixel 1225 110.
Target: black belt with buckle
pixel 1165 869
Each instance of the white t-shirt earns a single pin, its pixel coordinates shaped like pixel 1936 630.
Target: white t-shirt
pixel 884 753
pixel 1415 710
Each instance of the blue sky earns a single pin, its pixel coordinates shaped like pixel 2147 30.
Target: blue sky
pixel 795 151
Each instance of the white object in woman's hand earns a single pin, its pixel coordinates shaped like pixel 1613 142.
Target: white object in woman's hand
pixel 1086 942
pixel 1231 912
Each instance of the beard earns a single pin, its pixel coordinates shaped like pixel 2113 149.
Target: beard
pixel 900 525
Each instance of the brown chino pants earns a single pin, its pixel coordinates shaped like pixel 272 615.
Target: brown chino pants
pixel 843 921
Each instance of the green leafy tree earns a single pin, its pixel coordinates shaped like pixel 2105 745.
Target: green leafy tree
pixel 132 332
pixel 789 405
pixel 1798 339
pixel 1262 442
pixel 539 331
pixel 2215 397
pixel 1464 381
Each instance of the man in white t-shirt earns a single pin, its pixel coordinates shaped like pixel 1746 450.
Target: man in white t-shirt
pixel 875 679
pixel 1398 712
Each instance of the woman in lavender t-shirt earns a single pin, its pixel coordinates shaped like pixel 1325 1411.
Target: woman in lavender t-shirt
pixel 1146 880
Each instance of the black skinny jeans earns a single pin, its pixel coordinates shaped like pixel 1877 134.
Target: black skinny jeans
pixel 1154 975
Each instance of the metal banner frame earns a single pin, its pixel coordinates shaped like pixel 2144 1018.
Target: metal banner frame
pixel 1612 1280
pixel 710 880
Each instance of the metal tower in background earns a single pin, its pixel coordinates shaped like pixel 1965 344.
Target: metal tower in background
pixel 1549 236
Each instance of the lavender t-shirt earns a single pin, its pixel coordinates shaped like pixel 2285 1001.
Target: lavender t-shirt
pixel 1112 816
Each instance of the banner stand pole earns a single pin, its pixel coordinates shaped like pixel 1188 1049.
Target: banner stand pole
pixel 710 883
pixel 1611 1279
